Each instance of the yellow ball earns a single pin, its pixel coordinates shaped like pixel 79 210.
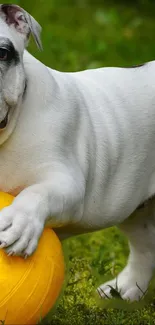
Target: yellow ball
pixel 29 288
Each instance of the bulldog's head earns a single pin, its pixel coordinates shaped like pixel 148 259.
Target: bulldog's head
pixel 16 25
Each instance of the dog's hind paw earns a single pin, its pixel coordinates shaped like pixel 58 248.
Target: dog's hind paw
pixel 124 287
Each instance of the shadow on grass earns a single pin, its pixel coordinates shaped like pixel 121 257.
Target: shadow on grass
pixel 104 311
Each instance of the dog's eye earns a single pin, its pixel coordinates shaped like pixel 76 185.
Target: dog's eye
pixel 4 54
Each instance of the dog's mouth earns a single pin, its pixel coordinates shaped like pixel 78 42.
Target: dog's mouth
pixel 4 122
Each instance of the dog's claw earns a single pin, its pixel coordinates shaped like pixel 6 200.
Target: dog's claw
pixel 2 245
pixel 11 253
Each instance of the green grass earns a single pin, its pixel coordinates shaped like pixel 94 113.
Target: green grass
pixel 78 34
pixel 92 259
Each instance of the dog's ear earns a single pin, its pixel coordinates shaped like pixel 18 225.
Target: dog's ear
pixel 22 21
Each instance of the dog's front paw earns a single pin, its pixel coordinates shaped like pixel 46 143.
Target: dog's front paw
pixel 20 230
pixel 128 286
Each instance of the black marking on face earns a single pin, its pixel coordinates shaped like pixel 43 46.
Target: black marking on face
pixel 8 53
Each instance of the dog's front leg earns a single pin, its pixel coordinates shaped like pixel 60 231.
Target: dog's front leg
pixel 22 223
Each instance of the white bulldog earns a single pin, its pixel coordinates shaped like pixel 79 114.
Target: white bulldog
pixel 77 150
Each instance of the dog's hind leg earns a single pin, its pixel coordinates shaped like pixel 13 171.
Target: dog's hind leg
pixel 133 281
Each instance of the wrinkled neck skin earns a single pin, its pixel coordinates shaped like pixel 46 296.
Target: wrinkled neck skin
pixel 6 133
pixel 14 109
pixel 32 78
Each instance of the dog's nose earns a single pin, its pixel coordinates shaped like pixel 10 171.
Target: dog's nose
pixel 4 122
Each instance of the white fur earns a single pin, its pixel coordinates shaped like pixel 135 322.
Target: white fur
pixel 79 150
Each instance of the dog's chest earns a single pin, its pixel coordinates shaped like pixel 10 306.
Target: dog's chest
pixel 17 168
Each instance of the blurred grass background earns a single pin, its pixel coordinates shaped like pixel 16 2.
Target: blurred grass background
pixel 83 34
